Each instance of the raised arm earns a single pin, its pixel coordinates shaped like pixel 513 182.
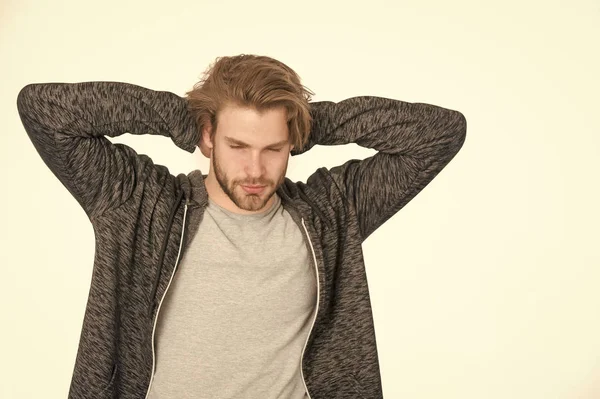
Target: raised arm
pixel 414 141
pixel 67 122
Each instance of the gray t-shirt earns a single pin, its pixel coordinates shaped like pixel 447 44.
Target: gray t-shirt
pixel 238 311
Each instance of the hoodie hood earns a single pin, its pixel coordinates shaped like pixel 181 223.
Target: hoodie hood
pixel 194 191
pixel 193 188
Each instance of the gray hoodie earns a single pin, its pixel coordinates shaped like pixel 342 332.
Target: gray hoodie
pixel 144 218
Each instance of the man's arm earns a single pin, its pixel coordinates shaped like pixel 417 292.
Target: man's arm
pixel 67 122
pixel 414 141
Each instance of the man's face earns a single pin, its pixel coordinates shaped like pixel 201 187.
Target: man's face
pixel 250 149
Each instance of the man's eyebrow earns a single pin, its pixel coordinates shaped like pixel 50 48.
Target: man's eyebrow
pixel 238 142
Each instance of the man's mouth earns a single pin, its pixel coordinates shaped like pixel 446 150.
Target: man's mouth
pixel 253 189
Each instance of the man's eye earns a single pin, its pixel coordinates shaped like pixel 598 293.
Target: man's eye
pixel 270 149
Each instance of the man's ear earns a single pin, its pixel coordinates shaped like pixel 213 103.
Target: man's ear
pixel 205 143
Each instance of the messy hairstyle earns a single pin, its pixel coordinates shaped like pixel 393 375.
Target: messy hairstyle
pixel 254 81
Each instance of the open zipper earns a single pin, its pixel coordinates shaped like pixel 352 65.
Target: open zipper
pixel 168 285
pixel 316 308
pixel 155 286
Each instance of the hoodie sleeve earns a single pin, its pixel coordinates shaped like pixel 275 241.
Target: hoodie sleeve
pixel 67 122
pixel 414 141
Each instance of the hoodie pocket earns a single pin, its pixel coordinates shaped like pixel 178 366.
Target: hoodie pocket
pixel 108 389
pixel 355 386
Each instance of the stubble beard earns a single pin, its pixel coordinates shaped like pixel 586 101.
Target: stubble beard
pixel 235 192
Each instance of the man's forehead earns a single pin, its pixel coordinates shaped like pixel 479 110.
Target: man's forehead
pixel 241 126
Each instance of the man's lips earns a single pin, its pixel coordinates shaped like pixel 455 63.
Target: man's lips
pixel 253 189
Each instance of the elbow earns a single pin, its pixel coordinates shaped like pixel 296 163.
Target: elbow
pixel 459 124
pixel 458 128
pixel 25 96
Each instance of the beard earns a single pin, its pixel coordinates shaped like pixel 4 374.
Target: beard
pixel 233 188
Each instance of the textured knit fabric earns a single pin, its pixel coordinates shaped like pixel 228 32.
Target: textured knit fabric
pixel 144 219
pixel 237 313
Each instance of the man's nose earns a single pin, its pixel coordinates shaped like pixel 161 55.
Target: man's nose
pixel 255 167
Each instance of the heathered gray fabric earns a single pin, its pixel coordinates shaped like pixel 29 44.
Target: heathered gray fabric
pixel 237 313
pixel 135 206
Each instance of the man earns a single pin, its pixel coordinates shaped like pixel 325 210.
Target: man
pixel 259 281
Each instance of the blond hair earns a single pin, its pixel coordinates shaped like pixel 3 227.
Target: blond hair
pixel 255 81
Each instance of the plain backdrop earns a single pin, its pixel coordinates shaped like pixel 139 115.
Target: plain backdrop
pixel 486 285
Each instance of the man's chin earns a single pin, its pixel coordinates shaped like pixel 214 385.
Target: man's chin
pixel 252 199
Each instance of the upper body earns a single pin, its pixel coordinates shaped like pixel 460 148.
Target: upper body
pixel 237 312
pixel 216 261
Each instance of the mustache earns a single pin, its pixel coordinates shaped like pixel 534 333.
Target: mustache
pixel 259 183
